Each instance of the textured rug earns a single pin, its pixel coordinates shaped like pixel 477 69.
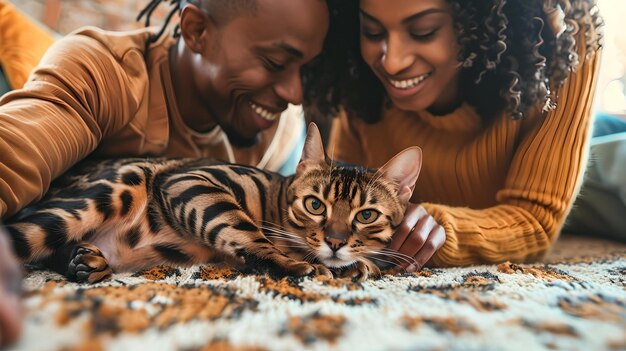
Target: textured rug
pixel 574 300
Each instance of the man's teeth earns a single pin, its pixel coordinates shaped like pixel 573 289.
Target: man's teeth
pixel 263 112
pixel 409 83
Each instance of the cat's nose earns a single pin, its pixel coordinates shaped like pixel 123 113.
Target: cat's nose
pixel 335 244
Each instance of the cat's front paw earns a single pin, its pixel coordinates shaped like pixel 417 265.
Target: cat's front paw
pixel 88 265
pixel 299 268
pixel 361 271
pixel 322 271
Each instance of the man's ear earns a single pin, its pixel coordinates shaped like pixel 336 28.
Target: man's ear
pixel 313 151
pixel 404 169
pixel 195 26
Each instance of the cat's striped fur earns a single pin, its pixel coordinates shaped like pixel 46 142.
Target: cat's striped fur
pixel 131 214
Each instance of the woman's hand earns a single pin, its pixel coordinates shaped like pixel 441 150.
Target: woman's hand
pixel 419 237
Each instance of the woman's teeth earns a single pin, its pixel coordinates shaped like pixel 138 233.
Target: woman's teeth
pixel 267 115
pixel 408 83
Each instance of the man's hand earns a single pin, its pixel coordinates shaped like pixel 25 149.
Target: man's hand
pixel 10 283
pixel 418 237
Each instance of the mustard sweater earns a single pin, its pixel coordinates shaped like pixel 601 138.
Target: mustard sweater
pixel 501 190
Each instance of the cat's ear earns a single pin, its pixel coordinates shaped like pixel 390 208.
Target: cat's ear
pixel 313 151
pixel 404 169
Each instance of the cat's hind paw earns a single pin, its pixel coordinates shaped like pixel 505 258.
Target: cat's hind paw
pixel 88 265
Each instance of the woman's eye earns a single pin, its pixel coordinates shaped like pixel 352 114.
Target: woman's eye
pixel 367 216
pixel 372 34
pixel 423 36
pixel 314 205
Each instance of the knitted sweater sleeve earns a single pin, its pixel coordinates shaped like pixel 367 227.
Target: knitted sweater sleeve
pixel 540 186
pixel 79 93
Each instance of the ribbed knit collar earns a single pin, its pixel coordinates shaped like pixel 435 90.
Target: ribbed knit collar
pixel 463 119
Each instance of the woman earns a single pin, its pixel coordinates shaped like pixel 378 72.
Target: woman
pixel 497 94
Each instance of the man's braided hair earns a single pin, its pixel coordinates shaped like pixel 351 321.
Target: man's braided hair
pixel 510 54
pixel 220 11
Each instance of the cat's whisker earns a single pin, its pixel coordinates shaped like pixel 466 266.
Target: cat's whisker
pixel 283 233
pixel 285 239
pixel 396 253
pixel 287 242
pixel 274 225
pixel 269 230
pixel 395 256
pixel 277 230
pixel 379 256
pixel 384 249
pixel 281 236
pixel 386 261
pixel 406 259
pixel 290 246
pixel 307 257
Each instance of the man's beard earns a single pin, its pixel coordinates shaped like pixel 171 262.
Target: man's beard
pixel 237 139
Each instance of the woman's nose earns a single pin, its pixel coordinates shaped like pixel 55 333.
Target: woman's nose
pixel 396 56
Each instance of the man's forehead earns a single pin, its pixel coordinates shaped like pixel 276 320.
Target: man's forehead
pixel 286 25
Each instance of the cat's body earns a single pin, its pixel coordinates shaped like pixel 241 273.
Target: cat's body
pixel 131 214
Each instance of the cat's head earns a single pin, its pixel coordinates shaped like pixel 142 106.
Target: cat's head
pixel 345 213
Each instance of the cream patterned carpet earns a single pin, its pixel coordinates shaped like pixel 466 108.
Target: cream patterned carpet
pixel 574 300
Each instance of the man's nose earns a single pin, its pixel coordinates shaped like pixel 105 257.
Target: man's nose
pixel 289 88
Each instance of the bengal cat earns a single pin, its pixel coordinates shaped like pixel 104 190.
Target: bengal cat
pixel 132 214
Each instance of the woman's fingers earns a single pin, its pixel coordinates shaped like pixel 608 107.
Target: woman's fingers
pixel 412 215
pixel 436 239
pixel 418 237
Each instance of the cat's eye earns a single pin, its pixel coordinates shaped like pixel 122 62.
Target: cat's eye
pixel 367 216
pixel 314 206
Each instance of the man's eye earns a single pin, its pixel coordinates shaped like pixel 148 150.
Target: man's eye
pixel 273 66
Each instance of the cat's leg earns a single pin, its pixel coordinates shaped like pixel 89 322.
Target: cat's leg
pixel 79 262
pixel 55 237
pixel 244 238
pixel 88 265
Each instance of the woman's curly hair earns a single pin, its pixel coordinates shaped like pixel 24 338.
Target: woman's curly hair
pixel 508 50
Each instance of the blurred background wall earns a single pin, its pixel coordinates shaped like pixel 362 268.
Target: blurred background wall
pixel 63 16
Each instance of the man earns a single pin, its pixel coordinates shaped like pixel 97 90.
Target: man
pixel 215 91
